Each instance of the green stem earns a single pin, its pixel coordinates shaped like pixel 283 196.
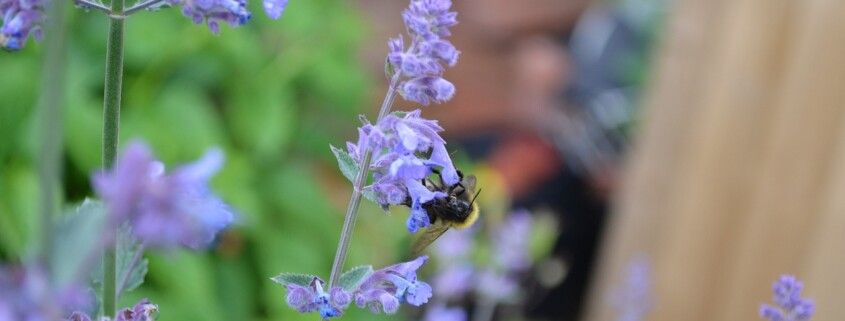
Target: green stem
pixel 111 122
pixel 357 191
pixel 51 107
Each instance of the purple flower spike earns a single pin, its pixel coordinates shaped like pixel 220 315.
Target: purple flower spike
pixel 212 12
pixel 26 294
pixel 406 150
pixel 790 306
pixel 419 67
pixel 20 19
pixel 164 210
pixel 393 285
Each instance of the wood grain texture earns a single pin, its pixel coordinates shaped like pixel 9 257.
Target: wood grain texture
pixel 739 172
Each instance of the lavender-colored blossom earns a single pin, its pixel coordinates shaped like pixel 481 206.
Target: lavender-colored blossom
pixel 26 294
pixel 386 288
pixel 233 12
pixel 313 298
pixel 275 8
pixel 790 305
pixel 144 310
pixel 165 210
pixel 20 19
pixel 453 281
pixel 632 299
pixel 442 313
pixel 512 240
pixel 496 286
pixel 419 67
pixel 406 149
pixel 453 246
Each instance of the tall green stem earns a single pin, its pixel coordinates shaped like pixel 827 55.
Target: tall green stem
pixel 51 108
pixel 111 122
pixel 357 191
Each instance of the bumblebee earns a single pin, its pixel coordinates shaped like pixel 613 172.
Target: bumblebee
pixel 457 209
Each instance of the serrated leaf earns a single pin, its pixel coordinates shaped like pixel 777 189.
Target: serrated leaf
pixel 77 238
pixel 350 280
pixel 131 266
pixel 350 169
pixel 294 278
pixel 348 166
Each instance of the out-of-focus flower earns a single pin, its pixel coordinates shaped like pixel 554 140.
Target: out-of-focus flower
pixel 453 245
pixel 495 286
pixel 420 66
pixel 512 240
pixel 400 145
pixel 20 19
pixel 386 288
pixel 442 313
pixel 313 298
pixel 275 8
pixel 632 299
pixel 165 210
pixel 144 310
pixel 790 305
pixel 233 12
pixel 453 281
pixel 26 294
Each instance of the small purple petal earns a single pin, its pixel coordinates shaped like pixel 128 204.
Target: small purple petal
pixel 275 8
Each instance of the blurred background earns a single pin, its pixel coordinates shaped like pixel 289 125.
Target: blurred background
pixel 698 141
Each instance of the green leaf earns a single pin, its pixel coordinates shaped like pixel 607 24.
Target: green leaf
pixel 350 280
pixel 77 238
pixel 294 278
pixel 349 167
pixel 131 266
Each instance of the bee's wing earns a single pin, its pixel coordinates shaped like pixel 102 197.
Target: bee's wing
pixel 431 234
pixel 469 183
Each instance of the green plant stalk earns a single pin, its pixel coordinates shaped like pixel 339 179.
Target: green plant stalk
pixel 111 125
pixel 357 191
pixel 51 108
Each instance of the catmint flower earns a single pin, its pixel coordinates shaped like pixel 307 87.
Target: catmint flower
pixel 26 294
pixel 20 19
pixel 233 12
pixel 275 8
pixel 144 310
pixel 453 281
pixel 790 306
pixel 419 67
pixel 386 288
pixel 313 298
pixel 512 241
pixel 165 210
pixel 632 299
pixel 406 150
pixel 495 286
pixel 442 313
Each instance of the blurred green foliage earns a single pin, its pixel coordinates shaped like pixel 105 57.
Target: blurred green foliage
pixel 272 94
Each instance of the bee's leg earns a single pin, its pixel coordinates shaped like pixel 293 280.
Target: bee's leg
pixel 407 201
pixel 454 187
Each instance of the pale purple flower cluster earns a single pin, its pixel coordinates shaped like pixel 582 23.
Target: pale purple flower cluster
pixel 400 145
pixel 233 12
pixel 164 210
pixel 633 299
pixel 420 66
pixel 790 305
pixel 26 294
pixel 142 311
pixel 20 19
pixel 442 313
pixel 384 290
pixel 496 282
